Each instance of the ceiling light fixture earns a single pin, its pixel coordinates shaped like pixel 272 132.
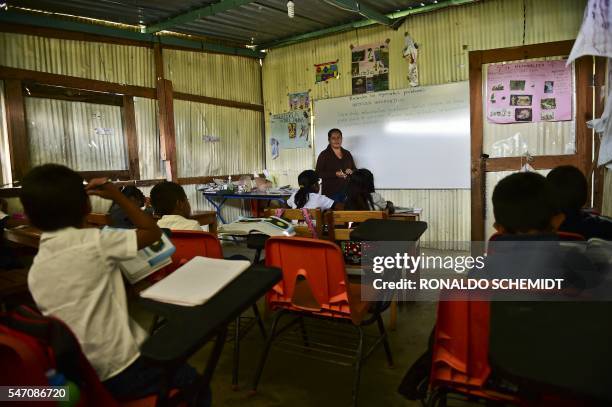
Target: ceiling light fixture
pixel 290 9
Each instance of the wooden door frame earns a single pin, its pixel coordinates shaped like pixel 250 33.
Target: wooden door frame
pixel 584 112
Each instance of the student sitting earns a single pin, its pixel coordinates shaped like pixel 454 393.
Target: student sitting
pixel 308 195
pixel 360 193
pixel 118 218
pixel 527 217
pixel 571 189
pixel 379 203
pixel 75 277
pixel 170 202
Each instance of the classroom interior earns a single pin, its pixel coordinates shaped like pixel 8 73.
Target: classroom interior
pixel 199 93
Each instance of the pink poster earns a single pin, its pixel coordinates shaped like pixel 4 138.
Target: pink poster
pixel 529 92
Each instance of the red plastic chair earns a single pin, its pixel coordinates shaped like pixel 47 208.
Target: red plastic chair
pixel 315 284
pixel 24 360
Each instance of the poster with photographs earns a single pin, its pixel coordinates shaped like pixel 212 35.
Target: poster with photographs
pixel 291 129
pixel 299 101
pixel 370 68
pixel 538 91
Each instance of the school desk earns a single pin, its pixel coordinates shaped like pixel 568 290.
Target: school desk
pixel 187 329
pixel 413 215
pixel 206 218
pixel 217 200
pixel 391 230
pixel 23 235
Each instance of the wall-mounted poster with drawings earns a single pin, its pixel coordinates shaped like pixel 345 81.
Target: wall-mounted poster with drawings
pixel 538 91
pixel 299 101
pixel 370 68
pixel 291 129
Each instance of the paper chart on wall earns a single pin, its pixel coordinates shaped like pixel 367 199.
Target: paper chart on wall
pixel 529 92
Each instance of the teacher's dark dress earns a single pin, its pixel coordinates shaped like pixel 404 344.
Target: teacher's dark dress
pixel 327 165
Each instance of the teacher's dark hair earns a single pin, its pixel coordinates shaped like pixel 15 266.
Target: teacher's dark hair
pixel 332 131
pixel 308 180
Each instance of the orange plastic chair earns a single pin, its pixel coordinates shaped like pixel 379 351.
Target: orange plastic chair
pixel 460 357
pixel 460 353
pixel 315 284
pixel 190 243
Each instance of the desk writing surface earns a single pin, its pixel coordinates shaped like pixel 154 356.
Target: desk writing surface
pixel 24 235
pixel 188 328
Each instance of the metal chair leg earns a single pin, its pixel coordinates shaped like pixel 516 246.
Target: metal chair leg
pixel 359 359
pixel 236 357
pixel 264 354
pixel 385 339
pixel 304 335
pixel 260 323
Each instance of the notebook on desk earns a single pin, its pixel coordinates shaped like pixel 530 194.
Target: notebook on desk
pixel 196 282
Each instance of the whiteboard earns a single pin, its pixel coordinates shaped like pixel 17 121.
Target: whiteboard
pixel 417 138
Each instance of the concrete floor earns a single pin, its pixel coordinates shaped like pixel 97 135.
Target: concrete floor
pixel 296 380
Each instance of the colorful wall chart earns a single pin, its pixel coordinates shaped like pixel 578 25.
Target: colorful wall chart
pixel 291 129
pixel 529 92
pixel 326 71
pixel 370 68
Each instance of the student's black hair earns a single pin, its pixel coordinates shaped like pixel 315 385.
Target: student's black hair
pixel 164 197
pixel 358 195
pixel 54 197
pixel 308 180
pixel 524 202
pixel 332 131
pixel 570 187
pixel 370 177
pixel 131 191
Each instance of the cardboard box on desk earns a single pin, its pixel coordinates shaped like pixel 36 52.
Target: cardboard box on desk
pixel 262 184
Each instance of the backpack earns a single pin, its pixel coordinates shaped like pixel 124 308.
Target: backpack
pixel 32 344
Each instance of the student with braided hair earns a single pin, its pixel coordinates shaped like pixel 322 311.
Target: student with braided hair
pixel 308 195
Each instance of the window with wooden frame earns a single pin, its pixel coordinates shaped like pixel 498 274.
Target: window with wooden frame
pixel 497 150
pixel 91 131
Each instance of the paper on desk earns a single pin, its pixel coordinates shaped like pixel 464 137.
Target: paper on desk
pixel 196 282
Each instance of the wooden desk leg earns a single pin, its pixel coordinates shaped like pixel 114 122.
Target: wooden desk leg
pixel 212 226
pixel 393 316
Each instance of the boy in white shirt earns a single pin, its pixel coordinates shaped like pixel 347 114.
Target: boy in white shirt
pixel 170 202
pixel 75 276
pixel 308 196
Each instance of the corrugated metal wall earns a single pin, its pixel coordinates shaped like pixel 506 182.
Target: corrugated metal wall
pixel 444 37
pixel 94 60
pixel 238 132
pixel 83 136
pixel 215 75
pixel 61 125
pixel 237 151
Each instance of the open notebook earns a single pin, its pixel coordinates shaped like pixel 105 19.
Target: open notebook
pixel 196 282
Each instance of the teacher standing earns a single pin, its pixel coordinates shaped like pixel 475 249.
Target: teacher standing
pixel 334 165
